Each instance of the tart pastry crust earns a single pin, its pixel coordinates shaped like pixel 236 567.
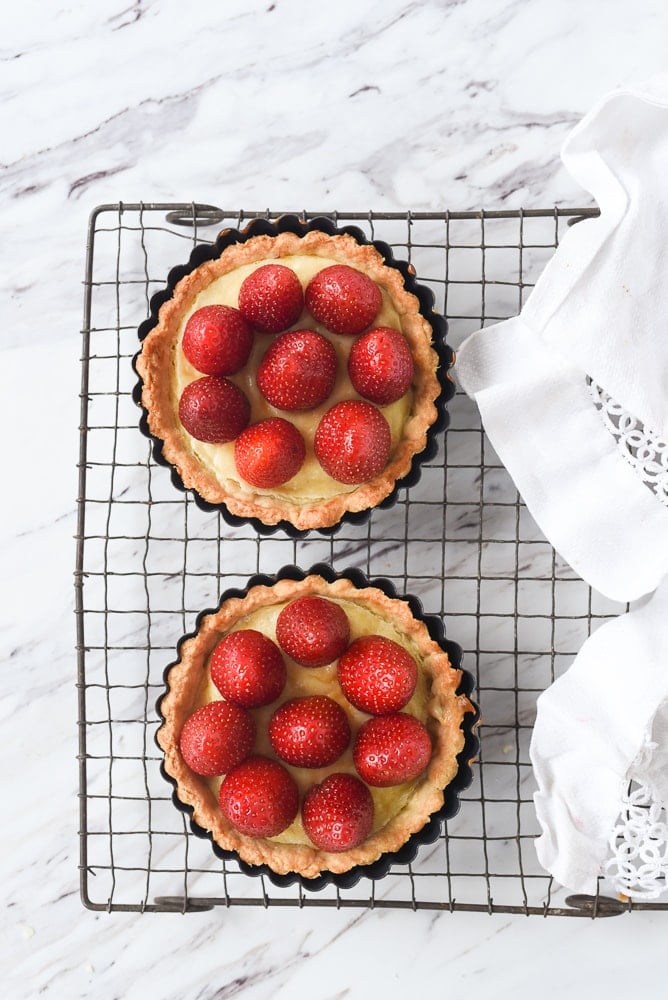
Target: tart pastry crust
pixel 440 708
pixel 157 362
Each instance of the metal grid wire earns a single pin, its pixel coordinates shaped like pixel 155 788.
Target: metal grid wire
pixel 148 560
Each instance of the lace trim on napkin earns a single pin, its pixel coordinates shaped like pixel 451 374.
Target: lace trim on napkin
pixel 638 867
pixel 644 451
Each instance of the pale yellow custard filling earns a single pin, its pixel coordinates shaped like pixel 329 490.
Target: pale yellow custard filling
pixel 311 482
pixel 302 681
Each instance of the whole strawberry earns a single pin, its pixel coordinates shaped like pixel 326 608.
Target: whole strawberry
pixel 259 797
pixel 216 737
pixel 377 675
pixel 217 340
pixel 298 370
pixel 338 813
pixel 391 749
pixel 380 365
pixel 248 669
pixel 213 409
pixel 271 298
pixel 309 732
pixel 352 441
pixel 313 631
pixel 343 299
pixel 269 453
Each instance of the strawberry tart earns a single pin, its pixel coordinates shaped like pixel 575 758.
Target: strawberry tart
pixel 292 378
pixel 312 725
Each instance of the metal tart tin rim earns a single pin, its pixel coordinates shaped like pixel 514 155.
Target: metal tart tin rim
pixel 292 223
pixel 461 781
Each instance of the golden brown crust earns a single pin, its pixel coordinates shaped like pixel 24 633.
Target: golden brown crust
pixel 158 394
pixel 445 713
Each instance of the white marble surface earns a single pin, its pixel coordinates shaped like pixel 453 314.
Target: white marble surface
pixel 392 106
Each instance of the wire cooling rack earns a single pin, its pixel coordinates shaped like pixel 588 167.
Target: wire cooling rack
pixel 149 559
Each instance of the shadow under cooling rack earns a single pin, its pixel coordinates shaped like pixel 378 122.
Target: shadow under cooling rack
pixel 149 559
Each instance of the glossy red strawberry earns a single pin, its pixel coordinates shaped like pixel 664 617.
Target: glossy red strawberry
pixel 271 298
pixel 298 371
pixel 309 732
pixel 380 365
pixel 313 631
pixel 338 813
pixel 269 453
pixel 248 669
pixel 343 299
pixel 352 441
pixel 391 749
pixel 259 797
pixel 217 340
pixel 213 409
pixel 377 675
pixel 216 737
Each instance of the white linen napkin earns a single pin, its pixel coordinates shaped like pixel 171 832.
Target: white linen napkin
pixel 573 394
pixel 599 311
pixel 600 726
